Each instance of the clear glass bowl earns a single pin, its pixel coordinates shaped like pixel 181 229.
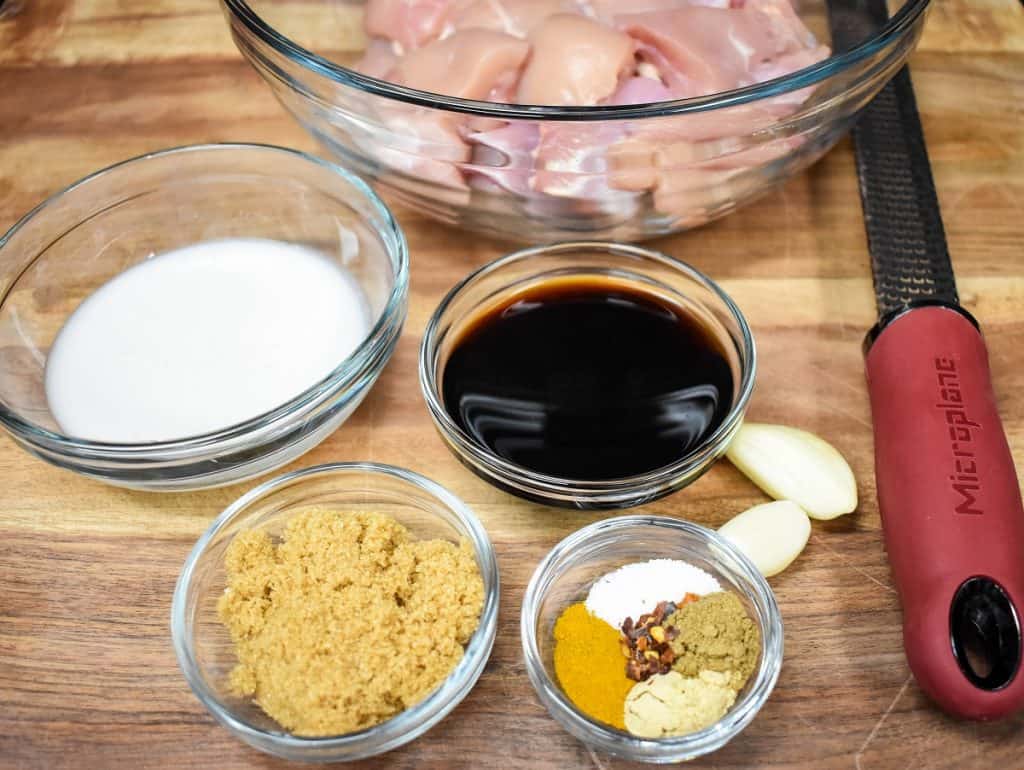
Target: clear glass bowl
pixel 712 154
pixel 83 236
pixel 565 577
pixel 649 270
pixel 204 648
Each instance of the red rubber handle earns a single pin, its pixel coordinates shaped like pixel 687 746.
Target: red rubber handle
pixel 951 510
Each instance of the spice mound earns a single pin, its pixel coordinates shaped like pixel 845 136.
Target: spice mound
pixel 673 704
pixel 588 665
pixel 346 621
pixel 647 643
pixel 715 634
pixel 674 667
pixel 636 588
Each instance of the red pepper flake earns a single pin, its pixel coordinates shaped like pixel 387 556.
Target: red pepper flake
pixel 645 643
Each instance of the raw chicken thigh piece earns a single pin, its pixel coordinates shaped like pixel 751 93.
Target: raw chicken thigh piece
pixel 783 24
pixel 701 50
pixel 789 63
pixel 513 17
pixel 574 61
pixel 691 194
pixel 570 177
pixel 681 185
pixel 417 141
pixel 754 156
pixel 504 156
pixel 638 90
pixel 786 104
pixel 377 60
pixel 607 10
pixel 739 120
pixel 656 149
pixel 469 64
pixel 571 159
pixel 410 23
pixel 632 165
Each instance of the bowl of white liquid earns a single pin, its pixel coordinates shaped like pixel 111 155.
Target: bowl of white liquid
pixel 197 316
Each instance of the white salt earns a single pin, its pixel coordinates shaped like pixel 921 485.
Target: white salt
pixel 635 589
pixel 201 338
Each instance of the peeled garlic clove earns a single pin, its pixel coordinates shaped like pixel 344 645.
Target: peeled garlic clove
pixel 772 535
pixel 792 464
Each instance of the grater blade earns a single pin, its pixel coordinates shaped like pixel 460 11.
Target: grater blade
pixel 909 257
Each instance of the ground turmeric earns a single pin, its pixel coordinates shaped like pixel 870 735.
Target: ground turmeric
pixel 590 665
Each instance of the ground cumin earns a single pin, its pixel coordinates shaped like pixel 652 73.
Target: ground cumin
pixel 347 621
pixel 715 634
pixel 590 666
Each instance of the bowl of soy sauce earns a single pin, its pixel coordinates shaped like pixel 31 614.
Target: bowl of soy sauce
pixel 587 374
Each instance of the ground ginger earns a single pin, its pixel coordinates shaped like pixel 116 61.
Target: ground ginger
pixel 346 621
pixel 672 704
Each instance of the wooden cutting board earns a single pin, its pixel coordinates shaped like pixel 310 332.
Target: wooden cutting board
pixel 87 674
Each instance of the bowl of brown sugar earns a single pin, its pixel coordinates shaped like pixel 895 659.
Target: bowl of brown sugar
pixel 337 612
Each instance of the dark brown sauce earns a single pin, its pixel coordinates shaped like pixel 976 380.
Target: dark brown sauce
pixel 588 379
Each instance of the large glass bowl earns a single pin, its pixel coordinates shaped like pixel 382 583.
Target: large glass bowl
pixel 712 154
pixel 76 241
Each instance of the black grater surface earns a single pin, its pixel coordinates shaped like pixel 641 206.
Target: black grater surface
pixel 909 256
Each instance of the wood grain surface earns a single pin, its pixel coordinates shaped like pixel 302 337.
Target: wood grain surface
pixel 88 678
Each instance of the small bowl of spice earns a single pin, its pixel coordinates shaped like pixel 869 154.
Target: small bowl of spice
pixel 337 612
pixel 587 374
pixel 651 638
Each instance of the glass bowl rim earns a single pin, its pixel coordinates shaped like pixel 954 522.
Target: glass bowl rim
pixel 340 377
pixel 546 483
pixel 656 749
pixel 437 704
pixel 894 28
